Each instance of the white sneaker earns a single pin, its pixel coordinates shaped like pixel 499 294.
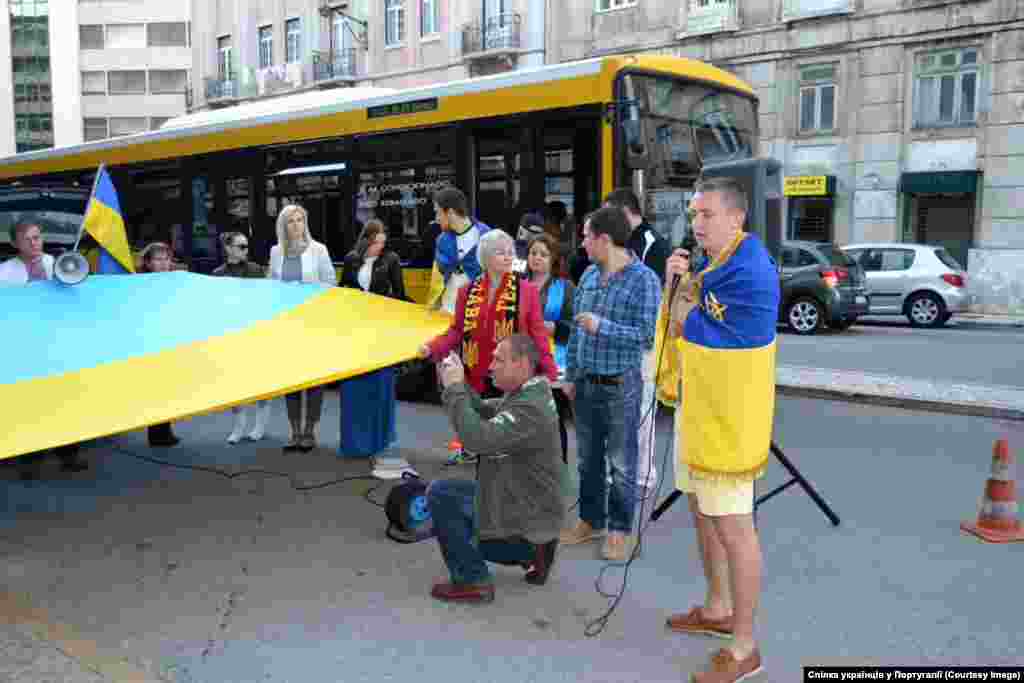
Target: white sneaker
pixel 260 422
pixel 236 433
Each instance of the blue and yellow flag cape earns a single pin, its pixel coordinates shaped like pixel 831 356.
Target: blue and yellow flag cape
pixel 114 354
pixel 728 359
pixel 103 220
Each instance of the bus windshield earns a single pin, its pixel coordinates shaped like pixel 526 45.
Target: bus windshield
pixel 685 126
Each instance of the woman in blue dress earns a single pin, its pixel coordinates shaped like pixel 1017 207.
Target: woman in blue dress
pixel 368 401
pixel 544 264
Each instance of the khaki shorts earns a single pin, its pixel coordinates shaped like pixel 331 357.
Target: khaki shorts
pixel 715 498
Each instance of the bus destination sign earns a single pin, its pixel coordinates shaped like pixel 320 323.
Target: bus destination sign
pixel 402 108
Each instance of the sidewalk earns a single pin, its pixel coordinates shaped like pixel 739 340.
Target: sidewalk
pixel 36 649
pixel 912 393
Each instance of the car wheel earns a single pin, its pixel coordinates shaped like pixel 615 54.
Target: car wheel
pixel 805 316
pixel 844 324
pixel 926 310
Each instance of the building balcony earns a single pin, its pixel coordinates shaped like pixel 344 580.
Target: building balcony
pixel 495 36
pixel 710 16
pixel 805 9
pixel 222 89
pixel 335 68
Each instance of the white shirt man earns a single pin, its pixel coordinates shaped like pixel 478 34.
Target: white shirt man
pixel 30 263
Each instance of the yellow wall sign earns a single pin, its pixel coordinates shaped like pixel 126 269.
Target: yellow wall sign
pixel 806 186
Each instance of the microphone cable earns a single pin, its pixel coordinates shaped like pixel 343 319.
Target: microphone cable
pixel 596 626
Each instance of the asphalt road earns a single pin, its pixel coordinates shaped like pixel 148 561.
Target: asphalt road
pixel 217 581
pixel 956 354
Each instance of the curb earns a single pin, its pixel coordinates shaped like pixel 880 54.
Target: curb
pixel 904 402
pixel 988 324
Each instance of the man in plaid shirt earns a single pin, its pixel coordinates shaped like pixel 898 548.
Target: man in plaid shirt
pixel 616 310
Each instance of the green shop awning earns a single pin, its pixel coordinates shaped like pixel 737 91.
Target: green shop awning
pixel 939 182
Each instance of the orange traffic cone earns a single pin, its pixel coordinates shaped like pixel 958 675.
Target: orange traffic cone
pixel 997 519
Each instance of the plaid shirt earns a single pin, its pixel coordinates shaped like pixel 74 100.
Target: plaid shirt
pixel 628 307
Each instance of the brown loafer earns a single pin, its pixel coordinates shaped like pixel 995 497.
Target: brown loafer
pixel 694 621
pixel 543 559
pixel 725 668
pixel 463 592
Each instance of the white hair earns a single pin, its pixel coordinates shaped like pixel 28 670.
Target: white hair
pixel 490 242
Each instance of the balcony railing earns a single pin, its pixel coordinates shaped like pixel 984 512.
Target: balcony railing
pixel 501 32
pixel 334 66
pixel 711 16
pixel 222 88
pixel 802 9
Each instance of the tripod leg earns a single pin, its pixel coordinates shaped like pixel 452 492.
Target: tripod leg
pixel 804 484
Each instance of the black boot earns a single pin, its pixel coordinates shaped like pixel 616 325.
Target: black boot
pixel 69 458
pixel 160 435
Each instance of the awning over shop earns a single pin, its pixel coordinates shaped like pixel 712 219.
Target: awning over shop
pixel 939 182
pixel 809 186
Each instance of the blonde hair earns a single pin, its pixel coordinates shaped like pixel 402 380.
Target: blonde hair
pixel 282 229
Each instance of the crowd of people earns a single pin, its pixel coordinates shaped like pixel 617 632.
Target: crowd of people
pixel 523 353
pixel 536 340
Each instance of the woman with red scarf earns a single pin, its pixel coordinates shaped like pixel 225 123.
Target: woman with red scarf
pixel 494 306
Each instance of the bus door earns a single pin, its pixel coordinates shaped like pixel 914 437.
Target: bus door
pixel 545 165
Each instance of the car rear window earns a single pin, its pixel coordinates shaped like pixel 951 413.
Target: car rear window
pixel 834 256
pixel 947 259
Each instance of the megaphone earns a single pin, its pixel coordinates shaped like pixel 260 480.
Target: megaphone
pixel 70 268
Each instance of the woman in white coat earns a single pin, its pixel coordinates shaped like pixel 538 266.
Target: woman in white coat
pixel 297 257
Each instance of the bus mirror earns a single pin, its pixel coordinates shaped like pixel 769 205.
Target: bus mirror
pixel 634 136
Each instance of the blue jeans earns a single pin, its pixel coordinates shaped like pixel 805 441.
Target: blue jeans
pixel 607 419
pixel 452 505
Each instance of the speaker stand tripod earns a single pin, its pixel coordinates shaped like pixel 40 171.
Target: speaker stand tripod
pixel 796 478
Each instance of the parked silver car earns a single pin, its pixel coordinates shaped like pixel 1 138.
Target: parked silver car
pixel 920 281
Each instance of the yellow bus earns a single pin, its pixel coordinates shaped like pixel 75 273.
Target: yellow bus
pixel 515 142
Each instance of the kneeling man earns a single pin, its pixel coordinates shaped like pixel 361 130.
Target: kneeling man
pixel 513 512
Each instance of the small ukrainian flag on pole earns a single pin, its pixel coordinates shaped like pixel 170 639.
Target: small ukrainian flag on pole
pixel 103 220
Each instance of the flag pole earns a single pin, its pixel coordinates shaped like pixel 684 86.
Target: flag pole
pixel 92 196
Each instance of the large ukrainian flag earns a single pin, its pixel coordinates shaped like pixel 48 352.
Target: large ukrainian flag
pixel 103 220
pixel 728 364
pixel 114 354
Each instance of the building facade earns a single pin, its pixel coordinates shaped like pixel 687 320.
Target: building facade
pixel 83 70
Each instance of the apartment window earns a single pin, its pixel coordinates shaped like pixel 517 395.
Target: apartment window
pixel 947 88
pixel 128 125
pixel 168 81
pixel 818 98
pixel 94 83
pixel 90 37
pixel 394 22
pixel 127 82
pixel 293 40
pixel 167 34
pixel 266 46
pixel 156 121
pixel 430 18
pixel 605 5
pixel 224 65
pixel 126 36
pixel 94 129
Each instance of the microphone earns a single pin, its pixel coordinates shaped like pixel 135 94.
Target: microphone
pixel 689 243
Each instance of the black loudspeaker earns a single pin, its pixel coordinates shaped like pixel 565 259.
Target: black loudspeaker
pixel 762 180
pixel 408 514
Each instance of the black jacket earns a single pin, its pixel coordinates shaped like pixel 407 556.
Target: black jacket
pixel 385 280
pixel 651 248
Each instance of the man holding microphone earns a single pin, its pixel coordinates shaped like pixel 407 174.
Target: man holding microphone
pixel 723 319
